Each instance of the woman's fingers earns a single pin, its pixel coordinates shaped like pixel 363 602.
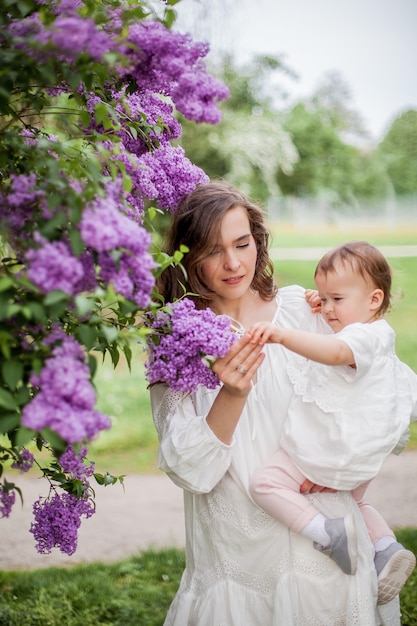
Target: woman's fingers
pixel 239 365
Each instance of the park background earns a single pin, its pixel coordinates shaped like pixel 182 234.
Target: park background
pixel 323 178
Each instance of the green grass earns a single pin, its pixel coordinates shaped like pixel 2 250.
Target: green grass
pixel 134 592
pixel 287 236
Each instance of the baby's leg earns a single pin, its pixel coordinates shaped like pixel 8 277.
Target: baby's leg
pixel 377 527
pixel 276 489
pixel 393 563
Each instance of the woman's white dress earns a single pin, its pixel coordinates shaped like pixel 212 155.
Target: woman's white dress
pixel 243 568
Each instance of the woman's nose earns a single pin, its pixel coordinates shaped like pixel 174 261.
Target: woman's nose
pixel 231 262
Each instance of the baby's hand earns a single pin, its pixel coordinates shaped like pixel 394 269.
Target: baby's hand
pixel 263 332
pixel 314 300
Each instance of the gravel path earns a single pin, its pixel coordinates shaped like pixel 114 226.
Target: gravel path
pixel 149 514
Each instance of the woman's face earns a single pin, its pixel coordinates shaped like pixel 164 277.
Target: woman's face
pixel 229 268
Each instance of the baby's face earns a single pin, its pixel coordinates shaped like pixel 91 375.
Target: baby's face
pixel 346 297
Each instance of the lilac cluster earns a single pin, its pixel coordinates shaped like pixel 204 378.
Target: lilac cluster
pixel 64 39
pixel 7 500
pixel 171 63
pixel 106 229
pixel 17 208
pixel 75 464
pixel 66 397
pixel 24 462
pixel 183 343
pixel 57 520
pixel 53 266
pixel 156 114
pixel 167 175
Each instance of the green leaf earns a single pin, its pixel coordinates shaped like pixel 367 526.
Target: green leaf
pixel 12 371
pixel 55 296
pixel 9 422
pixel 5 283
pixel 109 332
pixel 23 436
pixel 77 244
pixel 7 400
pixel 128 354
pixel 84 305
pixel 53 438
pixel 87 335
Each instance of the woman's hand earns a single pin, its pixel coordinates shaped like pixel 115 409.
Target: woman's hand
pixel 237 368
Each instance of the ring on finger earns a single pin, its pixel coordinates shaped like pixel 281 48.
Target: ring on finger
pixel 241 370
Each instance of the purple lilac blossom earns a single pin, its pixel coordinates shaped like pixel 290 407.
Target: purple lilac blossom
pixel 25 461
pixel 167 175
pixel 7 500
pixel 105 228
pixel 161 59
pixel 64 39
pixel 53 266
pixel 75 464
pixel 183 343
pixel 66 398
pixel 18 206
pixel 57 520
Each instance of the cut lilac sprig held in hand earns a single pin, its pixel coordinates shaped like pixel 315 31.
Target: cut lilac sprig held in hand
pixel 184 343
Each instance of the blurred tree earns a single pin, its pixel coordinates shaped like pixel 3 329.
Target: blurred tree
pixel 399 152
pixel 325 130
pixel 249 145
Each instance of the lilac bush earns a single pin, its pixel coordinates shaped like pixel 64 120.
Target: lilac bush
pixel 88 118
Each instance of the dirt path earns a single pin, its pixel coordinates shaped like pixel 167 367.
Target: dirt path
pixel 149 514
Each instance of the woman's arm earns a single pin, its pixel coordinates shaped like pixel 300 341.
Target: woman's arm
pixel 196 445
pixel 235 370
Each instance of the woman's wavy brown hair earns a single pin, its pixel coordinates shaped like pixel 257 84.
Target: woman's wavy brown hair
pixel 197 224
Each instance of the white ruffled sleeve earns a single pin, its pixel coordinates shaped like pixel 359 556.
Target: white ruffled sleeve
pixel 189 452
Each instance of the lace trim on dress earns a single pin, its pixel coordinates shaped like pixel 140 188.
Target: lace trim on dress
pixel 228 569
pixel 311 382
pixel 168 406
pixel 220 508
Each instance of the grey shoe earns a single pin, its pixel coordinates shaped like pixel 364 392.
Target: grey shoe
pixel 343 548
pixel 393 566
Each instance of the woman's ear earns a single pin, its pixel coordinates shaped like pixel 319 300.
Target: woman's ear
pixel 377 298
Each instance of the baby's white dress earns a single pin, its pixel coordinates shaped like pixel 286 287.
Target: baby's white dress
pixel 243 568
pixel 343 422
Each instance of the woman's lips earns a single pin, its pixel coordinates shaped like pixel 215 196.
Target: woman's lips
pixel 234 280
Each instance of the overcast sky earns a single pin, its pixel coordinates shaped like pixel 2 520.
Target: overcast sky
pixel 371 43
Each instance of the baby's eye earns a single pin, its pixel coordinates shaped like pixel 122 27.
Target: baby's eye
pixel 338 299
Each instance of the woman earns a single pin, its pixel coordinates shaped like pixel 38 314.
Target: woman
pixel 242 566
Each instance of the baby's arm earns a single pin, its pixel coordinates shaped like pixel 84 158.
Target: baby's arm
pixel 325 349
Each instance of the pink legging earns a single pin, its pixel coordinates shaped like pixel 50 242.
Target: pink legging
pixel 276 489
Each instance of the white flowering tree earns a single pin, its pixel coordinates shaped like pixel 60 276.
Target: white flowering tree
pixel 88 94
